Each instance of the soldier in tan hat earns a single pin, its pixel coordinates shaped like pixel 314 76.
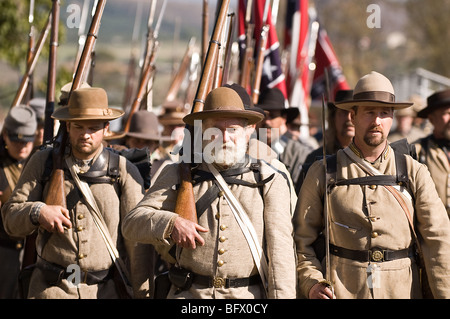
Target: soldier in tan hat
pixel 375 195
pixel 74 259
pixel 214 257
pixel 16 144
pixel 434 149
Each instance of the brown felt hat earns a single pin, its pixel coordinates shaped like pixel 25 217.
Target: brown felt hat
pixel 373 89
pixel 224 102
pixel 434 102
pixel 144 125
pixel 87 104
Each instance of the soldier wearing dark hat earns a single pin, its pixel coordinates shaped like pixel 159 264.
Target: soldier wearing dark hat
pixel 80 245
pixel 381 204
pixel 19 132
pixel 292 152
pixel 434 150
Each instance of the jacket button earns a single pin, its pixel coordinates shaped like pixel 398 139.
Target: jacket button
pixel 220 263
pixel 375 234
pixel 79 228
pixel 221 251
pixel 373 186
pixel 223 227
pixel 221 193
pixel 222 239
pixel 81 216
pixel 81 256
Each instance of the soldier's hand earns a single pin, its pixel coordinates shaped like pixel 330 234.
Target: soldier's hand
pixel 185 233
pixel 54 218
pixel 321 291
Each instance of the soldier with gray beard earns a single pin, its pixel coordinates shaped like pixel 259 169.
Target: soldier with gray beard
pixel 213 257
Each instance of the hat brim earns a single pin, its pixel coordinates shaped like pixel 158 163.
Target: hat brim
pixel 63 114
pixel 21 138
pixel 149 136
pixel 432 107
pixel 349 104
pixel 252 117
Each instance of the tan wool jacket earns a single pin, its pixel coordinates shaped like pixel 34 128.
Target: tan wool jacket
pixel 82 244
pixel 226 253
pixel 438 165
pixel 364 217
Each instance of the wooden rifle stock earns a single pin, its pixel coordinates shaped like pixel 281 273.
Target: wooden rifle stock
pixel 56 194
pixel 185 204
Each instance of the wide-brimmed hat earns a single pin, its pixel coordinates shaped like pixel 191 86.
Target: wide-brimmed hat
pixel 174 112
pixel 373 89
pixel 223 102
pixel 145 125
pixel 87 104
pixel 21 124
pixel 274 100
pixel 434 102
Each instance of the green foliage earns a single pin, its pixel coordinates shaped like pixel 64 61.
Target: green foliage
pixel 15 30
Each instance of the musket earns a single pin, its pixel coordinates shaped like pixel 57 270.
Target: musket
pixel 81 33
pixel 130 81
pixel 247 60
pixel 261 54
pixel 181 73
pixel 32 63
pixel 185 203
pixel 89 75
pixel 51 77
pixel 29 94
pixel 227 59
pixel 147 72
pixel 326 215
pixel 205 16
pixel 142 90
pixel 218 72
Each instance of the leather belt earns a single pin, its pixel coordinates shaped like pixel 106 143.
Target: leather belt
pixel 375 254
pixel 220 282
pixel 54 273
pixel 11 243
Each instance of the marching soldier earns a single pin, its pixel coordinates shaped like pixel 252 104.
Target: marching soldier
pixel 434 150
pixel 213 258
pixel 379 202
pixel 19 132
pixel 292 152
pixel 70 243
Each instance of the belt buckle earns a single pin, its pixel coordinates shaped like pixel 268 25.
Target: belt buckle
pixel 376 255
pixel 218 282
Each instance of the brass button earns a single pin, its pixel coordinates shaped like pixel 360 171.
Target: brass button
pixel 217 216
pixel 221 251
pixel 79 228
pixel 223 227
pixel 375 234
pixel 222 239
pixel 221 193
pixel 81 256
pixel 373 219
pixel 19 246
pixel 81 216
pixel 373 186
pixel 220 263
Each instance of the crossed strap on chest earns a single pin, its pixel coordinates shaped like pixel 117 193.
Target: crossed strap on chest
pixel 230 176
pixel 400 178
